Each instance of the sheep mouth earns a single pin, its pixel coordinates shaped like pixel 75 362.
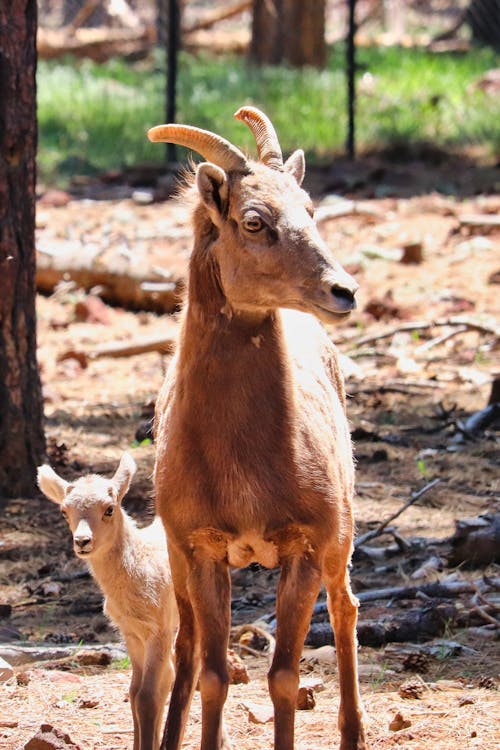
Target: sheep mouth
pixel 328 315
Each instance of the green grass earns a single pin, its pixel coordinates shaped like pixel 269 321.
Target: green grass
pixel 94 117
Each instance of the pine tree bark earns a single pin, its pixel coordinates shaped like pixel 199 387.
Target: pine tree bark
pixel 291 31
pixel 22 444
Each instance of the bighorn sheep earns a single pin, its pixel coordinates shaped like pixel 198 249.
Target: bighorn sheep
pixel 254 459
pixel 132 569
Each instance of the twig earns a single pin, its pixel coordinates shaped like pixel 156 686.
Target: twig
pixel 425 325
pixel 434 589
pixel 379 530
pixel 488 618
pixel 439 340
pixel 214 16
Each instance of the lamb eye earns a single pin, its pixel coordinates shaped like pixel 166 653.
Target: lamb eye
pixel 252 223
pixel 109 511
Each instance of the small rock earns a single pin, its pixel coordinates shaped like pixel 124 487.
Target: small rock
pixel 413 688
pixel 92 310
pixel 324 655
pixel 6 671
pixel 305 699
pixel 78 356
pixel 55 198
pixel 23 679
pixel 8 724
pixel 87 702
pixel 466 701
pixel 399 722
pixel 316 684
pixel 142 197
pixel 412 253
pixel 237 670
pixel 94 658
pixel 50 738
pixel 51 588
pixel 259 713
pixel 494 278
pixel 383 308
pixel 5 610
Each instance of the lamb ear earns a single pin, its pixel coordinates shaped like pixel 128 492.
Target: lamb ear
pixel 52 485
pixel 212 185
pixel 123 475
pixel 296 165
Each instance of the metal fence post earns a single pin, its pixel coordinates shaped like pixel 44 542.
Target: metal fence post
pixel 172 66
pixel 351 83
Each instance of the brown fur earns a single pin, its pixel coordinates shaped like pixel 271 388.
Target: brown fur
pixel 254 459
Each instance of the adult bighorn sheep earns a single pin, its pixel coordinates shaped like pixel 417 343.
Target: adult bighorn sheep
pixel 254 459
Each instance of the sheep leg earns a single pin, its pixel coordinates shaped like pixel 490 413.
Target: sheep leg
pixel 210 588
pixel 186 657
pixel 136 657
pixel 343 609
pixel 297 591
pixel 151 697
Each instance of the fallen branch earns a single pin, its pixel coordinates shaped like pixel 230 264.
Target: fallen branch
pixel 420 624
pixel 480 221
pixel 469 325
pixel 121 285
pixel 163 344
pixel 216 15
pixel 433 589
pixel 381 528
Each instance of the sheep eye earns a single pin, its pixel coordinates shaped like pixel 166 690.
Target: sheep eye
pixel 252 223
pixel 109 511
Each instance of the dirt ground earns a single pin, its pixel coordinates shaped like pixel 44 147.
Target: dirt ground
pixel 409 397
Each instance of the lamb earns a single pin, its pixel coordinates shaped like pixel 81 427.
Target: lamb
pixel 254 460
pixel 132 569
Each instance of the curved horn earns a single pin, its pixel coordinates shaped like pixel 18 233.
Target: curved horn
pixel 212 147
pixel 268 146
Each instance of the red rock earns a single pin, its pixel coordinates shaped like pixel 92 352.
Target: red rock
pixel 51 738
pixel 259 713
pixel 237 670
pixel 56 198
pixel 92 310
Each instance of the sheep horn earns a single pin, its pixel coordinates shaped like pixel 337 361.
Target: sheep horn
pixel 212 147
pixel 268 145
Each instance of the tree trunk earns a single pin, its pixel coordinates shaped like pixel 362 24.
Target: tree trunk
pixel 291 31
pixel 22 444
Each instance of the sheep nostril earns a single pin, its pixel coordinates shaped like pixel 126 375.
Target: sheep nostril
pixel 344 296
pixel 82 541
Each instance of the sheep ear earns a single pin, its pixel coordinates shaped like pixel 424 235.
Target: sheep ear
pixel 212 185
pixel 296 165
pixel 52 485
pixel 123 475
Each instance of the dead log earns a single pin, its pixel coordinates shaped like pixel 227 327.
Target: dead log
pixel 20 655
pixel 480 222
pixel 216 15
pixel 98 44
pixel 420 624
pixel 163 344
pixel 120 284
pixel 476 541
